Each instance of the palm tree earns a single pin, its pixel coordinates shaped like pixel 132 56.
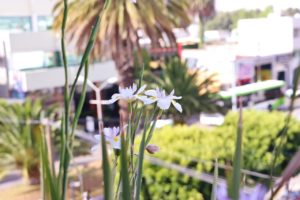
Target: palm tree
pixel 123 23
pixel 203 9
pixel 198 87
pixel 20 135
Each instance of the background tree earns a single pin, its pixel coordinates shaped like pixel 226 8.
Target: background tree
pixel 122 25
pixel 20 134
pixel 203 9
pixel 198 87
pixel 229 20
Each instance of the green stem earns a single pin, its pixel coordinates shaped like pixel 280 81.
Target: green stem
pixel 237 161
pixel 143 145
pixel 85 56
pixel 66 102
pixel 81 102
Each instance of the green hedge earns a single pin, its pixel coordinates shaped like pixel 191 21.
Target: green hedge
pixel 180 144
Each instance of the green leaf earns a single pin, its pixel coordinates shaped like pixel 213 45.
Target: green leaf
pixel 108 189
pixel 124 170
pixel 237 161
pixel 48 177
pixel 215 183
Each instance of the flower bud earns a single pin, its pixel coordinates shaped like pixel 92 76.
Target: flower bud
pixel 151 148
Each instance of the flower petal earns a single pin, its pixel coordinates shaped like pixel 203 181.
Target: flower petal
pixel 172 92
pixel 116 144
pixel 134 88
pixel 152 93
pixel 110 101
pixel 116 96
pixel 177 106
pixel 176 97
pixel 115 131
pixel 141 89
pixel 108 132
pixel 164 103
pixel 146 100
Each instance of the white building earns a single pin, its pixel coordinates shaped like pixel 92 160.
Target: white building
pixel 266 48
pixel 30 51
pixel 231 5
pixel 272 44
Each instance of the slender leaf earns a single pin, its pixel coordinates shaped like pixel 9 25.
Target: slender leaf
pixel 124 170
pixel 108 190
pixel 215 183
pixel 140 166
pixel 237 161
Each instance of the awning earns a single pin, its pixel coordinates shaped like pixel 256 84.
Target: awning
pixel 251 88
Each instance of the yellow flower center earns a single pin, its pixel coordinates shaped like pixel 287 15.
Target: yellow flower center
pixel 116 139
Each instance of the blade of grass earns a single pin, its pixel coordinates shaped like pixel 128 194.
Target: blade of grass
pixel 237 161
pixel 215 183
pixel 124 170
pixel 85 56
pixel 81 102
pixel 108 190
pixel 140 166
pixel 143 144
pixel 65 126
pixel 48 177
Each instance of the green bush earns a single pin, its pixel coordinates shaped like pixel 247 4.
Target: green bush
pixel 185 146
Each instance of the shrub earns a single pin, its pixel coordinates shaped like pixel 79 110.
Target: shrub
pixel 198 87
pixel 186 146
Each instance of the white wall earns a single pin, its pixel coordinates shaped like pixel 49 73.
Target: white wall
pixel 33 41
pixel 26 7
pixel 230 5
pixel 54 77
pixel 265 36
pixel 297 37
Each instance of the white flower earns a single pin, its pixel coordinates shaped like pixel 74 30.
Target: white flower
pixel 163 101
pixel 112 135
pixel 129 94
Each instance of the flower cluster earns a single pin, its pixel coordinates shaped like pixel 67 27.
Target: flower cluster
pixel 158 96
pixel 130 94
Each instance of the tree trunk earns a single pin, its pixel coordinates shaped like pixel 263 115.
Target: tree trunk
pixel 201 31
pixel 125 69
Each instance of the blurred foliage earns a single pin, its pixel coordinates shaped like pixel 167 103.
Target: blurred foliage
pixel 187 146
pixel 198 87
pixel 290 12
pixel 229 20
pixel 20 133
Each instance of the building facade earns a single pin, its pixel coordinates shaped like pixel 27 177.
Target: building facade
pixel 30 57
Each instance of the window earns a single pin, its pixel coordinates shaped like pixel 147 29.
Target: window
pixel 15 23
pixel 45 23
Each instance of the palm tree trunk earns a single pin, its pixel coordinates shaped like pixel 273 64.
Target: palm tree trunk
pixel 125 69
pixel 201 31
pixel 126 79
